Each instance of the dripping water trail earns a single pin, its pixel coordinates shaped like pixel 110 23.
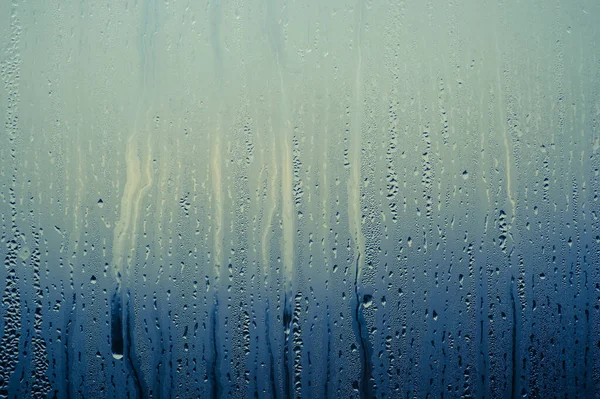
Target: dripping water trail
pixel 130 354
pixel 287 321
pixel 214 365
pixel 513 379
pixel 270 351
pixel 122 340
pixel 328 376
pixel 365 388
pixel 125 232
pixel 217 181
pixel 68 332
pixel 288 238
pixel 354 217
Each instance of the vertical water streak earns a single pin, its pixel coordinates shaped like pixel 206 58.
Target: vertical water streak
pixel 217 191
pixel 137 183
pixel 355 216
pixel 271 205
pixel 217 199
pixel 276 41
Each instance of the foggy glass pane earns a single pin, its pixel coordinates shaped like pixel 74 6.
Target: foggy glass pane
pixel 286 199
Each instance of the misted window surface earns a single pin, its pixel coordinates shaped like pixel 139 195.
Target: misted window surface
pixel 286 199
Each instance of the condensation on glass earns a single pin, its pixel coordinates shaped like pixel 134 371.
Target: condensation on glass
pixel 283 199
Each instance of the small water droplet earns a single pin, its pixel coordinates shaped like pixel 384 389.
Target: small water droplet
pixel 24 252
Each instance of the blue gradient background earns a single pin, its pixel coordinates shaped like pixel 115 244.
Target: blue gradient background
pixel 394 199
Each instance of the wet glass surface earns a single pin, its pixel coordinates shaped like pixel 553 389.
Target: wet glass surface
pixel 276 199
